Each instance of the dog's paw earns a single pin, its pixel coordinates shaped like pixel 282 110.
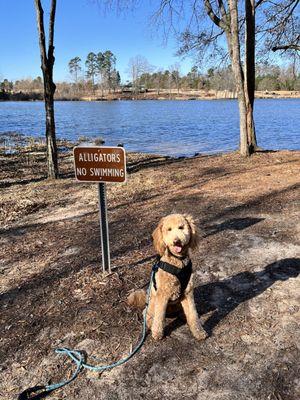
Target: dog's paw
pixel 200 334
pixel 157 335
pixel 149 322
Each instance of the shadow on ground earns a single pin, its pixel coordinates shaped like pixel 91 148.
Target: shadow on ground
pixel 223 297
pixel 236 224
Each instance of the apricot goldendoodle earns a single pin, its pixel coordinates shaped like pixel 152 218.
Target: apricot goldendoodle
pixel 174 237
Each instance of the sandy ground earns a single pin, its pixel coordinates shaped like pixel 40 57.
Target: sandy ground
pixel 54 294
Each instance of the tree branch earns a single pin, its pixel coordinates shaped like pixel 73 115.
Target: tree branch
pixel 51 35
pixel 223 10
pixel 290 46
pixel 51 23
pixel 259 3
pixel 41 30
pixel 216 20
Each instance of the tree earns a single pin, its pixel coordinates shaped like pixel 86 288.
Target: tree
pixel 278 22
pixel 175 75
pixel 106 63
pixel 109 65
pixel 6 86
pixel 210 21
pixel 158 79
pixel 193 78
pixel 222 79
pixel 37 83
pixel 115 79
pixel 147 80
pixel 75 67
pixel 138 66
pixel 227 19
pixel 100 69
pixel 47 63
pixel 91 65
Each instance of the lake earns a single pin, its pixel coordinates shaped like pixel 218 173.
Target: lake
pixel 161 126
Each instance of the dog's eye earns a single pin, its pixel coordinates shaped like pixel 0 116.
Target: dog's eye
pixel 181 227
pixel 169 229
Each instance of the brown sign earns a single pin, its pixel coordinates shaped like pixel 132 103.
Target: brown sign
pixel 100 164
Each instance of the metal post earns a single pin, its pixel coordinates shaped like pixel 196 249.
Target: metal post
pixel 104 228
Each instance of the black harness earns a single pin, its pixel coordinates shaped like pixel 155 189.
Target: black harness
pixel 182 274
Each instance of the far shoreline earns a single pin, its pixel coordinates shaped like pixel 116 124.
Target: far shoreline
pixel 183 96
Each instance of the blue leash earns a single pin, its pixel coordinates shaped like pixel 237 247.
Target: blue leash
pixel 39 392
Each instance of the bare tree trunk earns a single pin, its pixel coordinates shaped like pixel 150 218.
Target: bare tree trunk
pixel 245 82
pixel 239 76
pixel 47 62
pixel 250 72
pixel 93 85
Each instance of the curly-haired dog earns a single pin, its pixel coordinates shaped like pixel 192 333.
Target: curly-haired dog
pixel 172 284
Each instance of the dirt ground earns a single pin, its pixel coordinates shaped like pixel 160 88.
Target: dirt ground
pixel 54 294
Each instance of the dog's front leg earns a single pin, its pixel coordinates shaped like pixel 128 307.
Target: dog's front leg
pixel 158 323
pixel 150 311
pixel 189 308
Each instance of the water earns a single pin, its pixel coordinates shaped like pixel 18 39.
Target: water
pixel 164 127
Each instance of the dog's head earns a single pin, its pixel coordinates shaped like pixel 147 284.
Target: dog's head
pixel 177 232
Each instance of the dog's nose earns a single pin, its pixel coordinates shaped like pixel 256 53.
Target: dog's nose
pixel 177 242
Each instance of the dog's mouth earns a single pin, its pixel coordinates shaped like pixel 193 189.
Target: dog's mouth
pixel 177 248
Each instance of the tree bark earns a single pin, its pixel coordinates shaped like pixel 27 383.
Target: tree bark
pixel 250 72
pixel 239 75
pixel 47 62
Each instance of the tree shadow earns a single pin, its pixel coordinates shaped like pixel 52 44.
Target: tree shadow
pixel 254 203
pixel 141 200
pixel 20 230
pixel 236 224
pixel 6 184
pixel 138 263
pixel 222 297
pixel 68 173
pixel 260 150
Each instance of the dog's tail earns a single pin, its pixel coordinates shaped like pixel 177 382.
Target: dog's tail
pixel 137 298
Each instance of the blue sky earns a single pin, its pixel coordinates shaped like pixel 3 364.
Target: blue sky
pixel 81 27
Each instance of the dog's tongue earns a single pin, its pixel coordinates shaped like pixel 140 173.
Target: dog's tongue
pixel 177 249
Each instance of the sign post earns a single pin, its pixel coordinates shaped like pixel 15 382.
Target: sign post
pixel 104 227
pixel 101 164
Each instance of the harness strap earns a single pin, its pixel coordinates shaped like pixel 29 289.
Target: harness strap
pixel 182 274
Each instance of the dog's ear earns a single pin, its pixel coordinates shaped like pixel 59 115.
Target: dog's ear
pixel 157 236
pixel 195 238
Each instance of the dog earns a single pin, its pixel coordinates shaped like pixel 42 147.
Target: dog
pixel 173 239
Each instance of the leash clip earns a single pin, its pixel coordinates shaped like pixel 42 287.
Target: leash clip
pixel 156 264
pixel 155 267
pixel 34 393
